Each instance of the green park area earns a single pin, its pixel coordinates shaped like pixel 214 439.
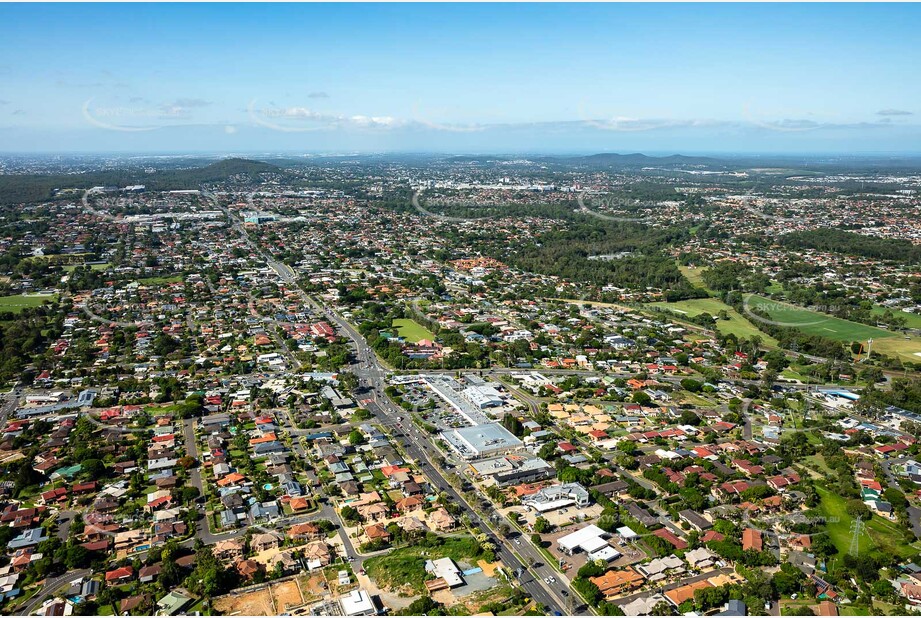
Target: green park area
pixel 912 320
pixel 97 267
pixel 152 281
pixel 412 331
pixel 24 301
pixel 815 323
pixel 906 347
pixel 736 324
pixel 694 275
pixel 880 537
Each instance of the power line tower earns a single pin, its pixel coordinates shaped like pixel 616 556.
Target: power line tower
pixel 856 531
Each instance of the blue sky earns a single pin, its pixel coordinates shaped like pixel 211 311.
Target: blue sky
pixel 460 78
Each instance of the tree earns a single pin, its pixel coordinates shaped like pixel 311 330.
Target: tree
pixel 788 580
pixel 588 590
pixel 424 606
pixel 547 451
pixel 188 493
pixel 77 557
pixel 857 509
pixel 822 545
pixel 896 498
pixel 170 574
pixel 705 598
pixel 610 609
pixel 93 468
pixel 542 525
pixel 796 444
pixel 591 569
pixel 641 398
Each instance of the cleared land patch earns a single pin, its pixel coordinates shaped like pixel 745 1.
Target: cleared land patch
pixel 150 281
pixel 694 275
pixel 97 267
pixel 404 568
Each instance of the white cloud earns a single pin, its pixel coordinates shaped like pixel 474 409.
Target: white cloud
pixel 297 118
pixel 894 112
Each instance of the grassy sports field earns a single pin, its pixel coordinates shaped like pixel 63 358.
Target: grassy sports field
pixel 815 323
pixel 905 347
pixel 694 275
pixel 412 331
pixel 22 301
pixel 736 324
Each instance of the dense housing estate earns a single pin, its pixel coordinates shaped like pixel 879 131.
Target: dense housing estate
pixel 247 397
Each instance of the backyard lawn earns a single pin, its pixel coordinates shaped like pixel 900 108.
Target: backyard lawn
pixel 151 281
pixel 98 267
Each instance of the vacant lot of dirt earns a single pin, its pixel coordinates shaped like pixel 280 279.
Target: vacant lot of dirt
pixel 314 585
pixel 256 603
pixel 287 595
pixel 272 600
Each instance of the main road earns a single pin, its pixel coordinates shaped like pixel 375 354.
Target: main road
pixel 372 374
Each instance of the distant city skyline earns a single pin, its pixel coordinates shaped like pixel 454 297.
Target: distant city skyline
pixel 487 78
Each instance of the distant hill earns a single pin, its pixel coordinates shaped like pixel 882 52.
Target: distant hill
pixel 222 170
pixel 25 188
pixel 636 159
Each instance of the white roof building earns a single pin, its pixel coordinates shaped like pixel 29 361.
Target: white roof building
pixel 446 570
pixel 627 533
pixel 589 539
pixel 642 606
pixel 700 557
pixel 357 603
pixel 482 440
pixel 556 497
pixel 606 553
